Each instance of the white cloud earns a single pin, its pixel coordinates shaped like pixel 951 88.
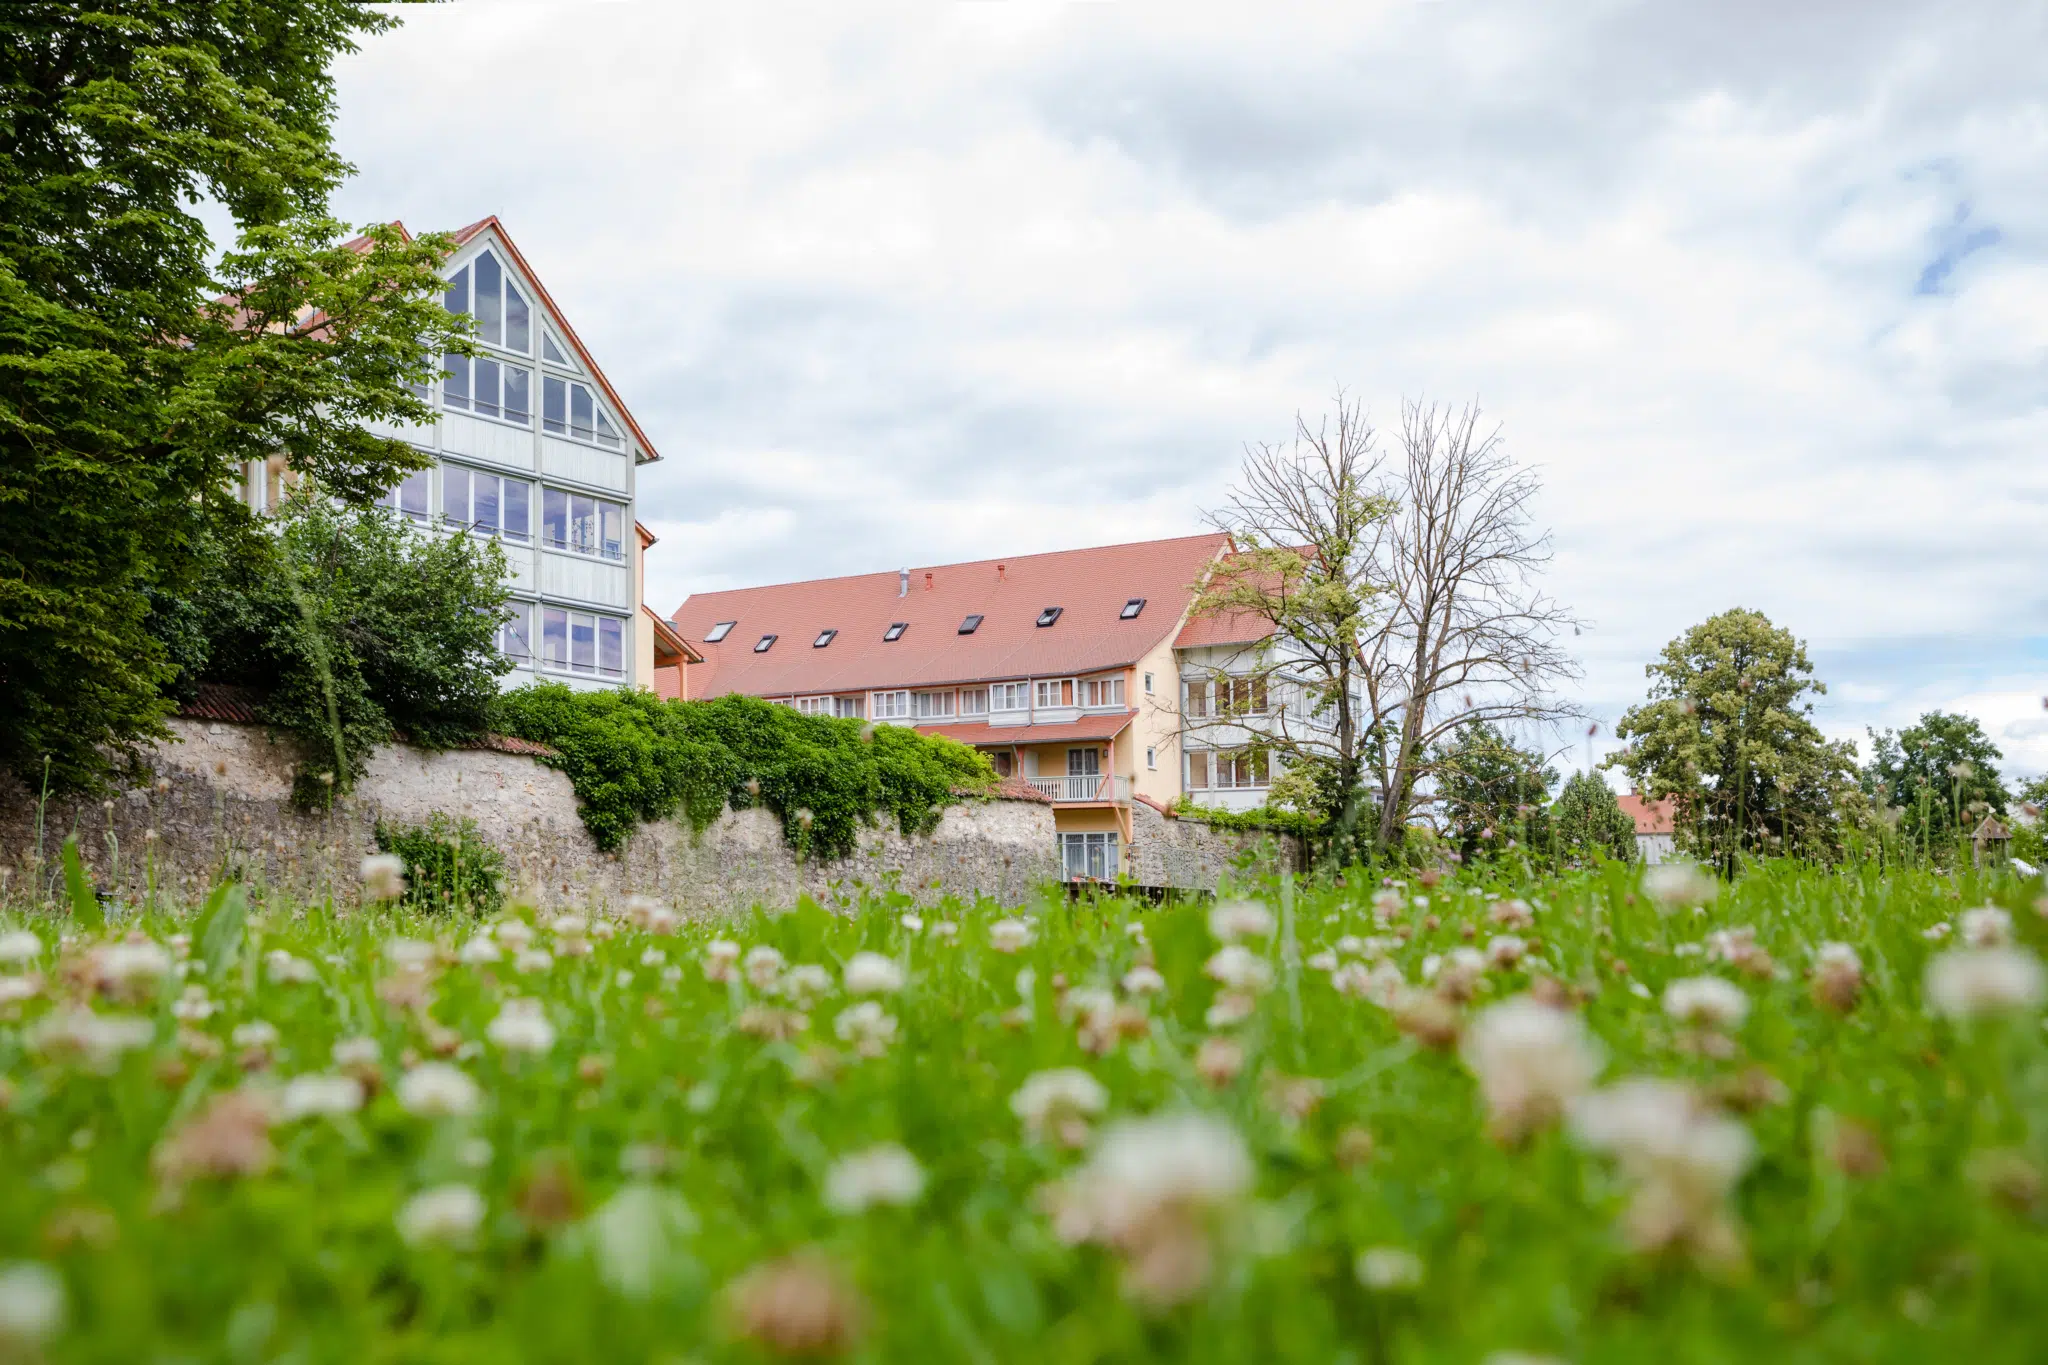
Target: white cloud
pixel 911 284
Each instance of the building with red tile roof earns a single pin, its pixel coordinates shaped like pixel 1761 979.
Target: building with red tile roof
pixel 1069 669
pixel 1656 826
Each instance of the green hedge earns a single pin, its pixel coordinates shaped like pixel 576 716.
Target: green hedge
pixel 1262 818
pixel 448 865
pixel 635 757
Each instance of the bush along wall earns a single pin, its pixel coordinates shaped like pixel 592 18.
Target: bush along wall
pixel 448 865
pixel 633 757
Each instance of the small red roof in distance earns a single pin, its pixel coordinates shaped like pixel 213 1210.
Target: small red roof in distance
pixel 1091 586
pixel 1651 817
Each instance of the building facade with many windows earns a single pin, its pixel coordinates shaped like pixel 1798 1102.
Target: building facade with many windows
pixel 533 448
pixel 1072 671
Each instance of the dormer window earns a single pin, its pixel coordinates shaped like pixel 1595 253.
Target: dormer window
pixel 824 638
pixel 1131 609
pixel 1049 615
pixel 970 625
pixel 895 630
pixel 719 632
pixel 484 289
pixel 764 644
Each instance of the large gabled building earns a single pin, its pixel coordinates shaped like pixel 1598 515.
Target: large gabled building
pixel 1068 669
pixel 533 447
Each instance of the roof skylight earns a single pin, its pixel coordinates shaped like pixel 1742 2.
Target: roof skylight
pixel 1049 615
pixel 762 645
pixel 971 624
pixel 1131 609
pixel 719 632
pixel 895 630
pixel 824 638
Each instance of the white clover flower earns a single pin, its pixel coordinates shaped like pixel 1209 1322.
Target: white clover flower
pixel 1386 904
pixel 945 929
pixel 1531 1061
pixel 1381 983
pixel 438 1090
pixel 479 949
pixel 1934 933
pixel 15 989
pixel 132 964
pixel 522 1026
pixel 532 961
pixel 1230 1008
pixel 762 965
pixel 1987 926
pixel 867 1026
pixel 383 876
pixel 883 1174
pixel 98 1040
pixel 1233 920
pixel 1389 1270
pixel 356 1052
pixel 872 974
pixel 721 956
pixel 1706 1001
pixel 286 970
pixel 1052 1101
pixel 18 946
pixel 1239 968
pixel 1009 935
pixel 1143 980
pixel 910 921
pixel 653 957
pixel 1967 983
pixel 255 1033
pixel 571 935
pixel 1682 1155
pixel 1146 1166
pixel 1324 960
pixel 805 981
pixel 513 935
pixel 1678 884
pixel 193 1006
pixel 1505 950
pixel 446 1214
pixel 671 974
pixel 32 1304
pixel 319 1096
pixel 641 910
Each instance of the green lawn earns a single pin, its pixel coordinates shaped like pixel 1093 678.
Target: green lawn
pixel 635 1160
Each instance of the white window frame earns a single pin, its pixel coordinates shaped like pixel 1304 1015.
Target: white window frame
pixel 973 701
pixel 599 506
pixel 467 406
pixel 1100 694
pixel 1009 698
pixel 932 705
pixel 515 634
pixel 472 474
pixel 849 708
pixel 814 706
pixel 1092 855
pixel 892 705
pixel 596 623
pixel 418 484
pixel 509 286
pixel 1151 758
pixel 565 429
pixel 1058 688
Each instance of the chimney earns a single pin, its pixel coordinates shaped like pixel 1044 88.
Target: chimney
pixel 903 582
pixel 999 572
pixel 927 581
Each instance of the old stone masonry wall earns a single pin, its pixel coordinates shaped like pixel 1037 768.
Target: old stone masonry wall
pixel 219 804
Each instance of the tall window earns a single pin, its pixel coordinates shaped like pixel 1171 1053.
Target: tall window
pixel 570 409
pixel 1052 692
pixel 580 642
pixel 410 498
pixel 974 701
pixel 892 705
pixel 515 640
pixel 932 705
pixel 570 521
pixel 1091 856
pixel 847 708
pixel 485 504
pixel 484 289
pixel 487 387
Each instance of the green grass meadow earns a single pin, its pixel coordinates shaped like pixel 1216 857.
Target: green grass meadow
pixel 650 1162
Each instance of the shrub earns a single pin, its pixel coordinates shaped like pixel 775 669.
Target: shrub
pixel 1278 819
pixel 448 866
pixel 1587 819
pixel 632 756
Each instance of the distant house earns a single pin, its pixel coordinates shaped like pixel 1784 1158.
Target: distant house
pixel 1656 832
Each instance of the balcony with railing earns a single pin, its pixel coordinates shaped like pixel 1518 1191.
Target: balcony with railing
pixel 1105 788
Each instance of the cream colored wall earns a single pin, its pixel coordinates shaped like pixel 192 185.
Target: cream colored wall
pixel 1085 820
pixel 643 630
pixel 1157 723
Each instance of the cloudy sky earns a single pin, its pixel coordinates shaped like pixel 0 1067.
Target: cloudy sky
pixel 1761 289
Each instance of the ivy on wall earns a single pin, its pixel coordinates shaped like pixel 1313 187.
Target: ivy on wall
pixel 634 757
pixel 1278 819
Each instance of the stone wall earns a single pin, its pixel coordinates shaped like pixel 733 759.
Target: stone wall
pixel 1171 852
pixel 220 804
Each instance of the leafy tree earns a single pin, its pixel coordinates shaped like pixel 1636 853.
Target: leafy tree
pixel 127 400
pixel 1587 820
pixel 1727 731
pixel 355 627
pixel 1940 773
pixel 1495 794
